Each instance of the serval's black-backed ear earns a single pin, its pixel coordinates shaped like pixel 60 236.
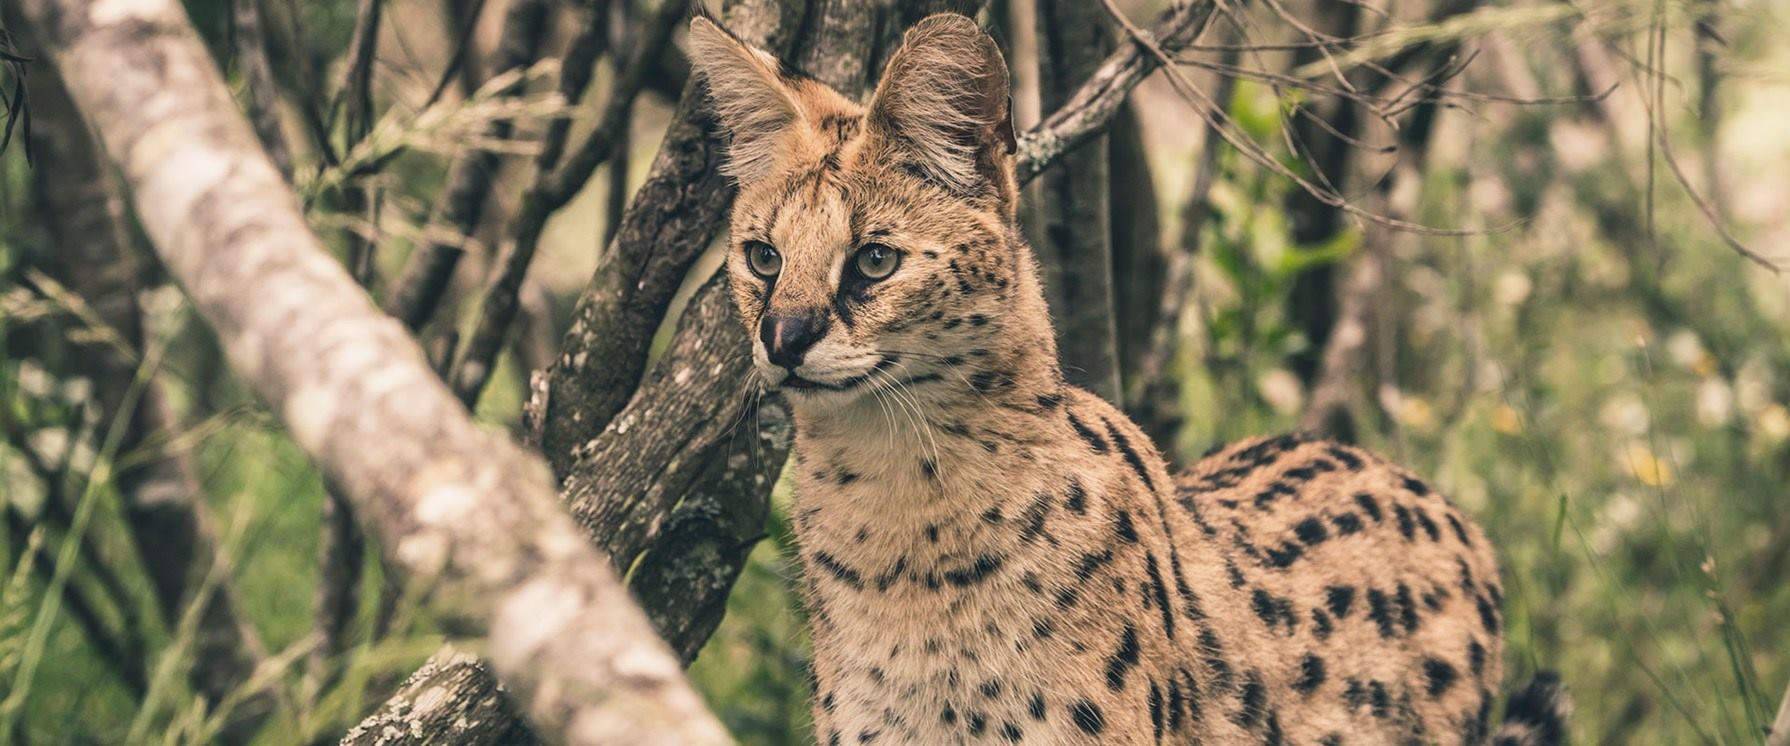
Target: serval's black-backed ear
pixel 944 97
pixel 749 94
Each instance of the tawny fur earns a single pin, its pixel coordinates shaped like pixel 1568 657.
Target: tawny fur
pixel 992 554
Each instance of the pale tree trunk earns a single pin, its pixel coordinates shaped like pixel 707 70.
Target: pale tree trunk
pixel 458 511
pixel 163 503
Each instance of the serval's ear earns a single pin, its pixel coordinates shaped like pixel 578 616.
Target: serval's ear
pixel 944 100
pixel 747 87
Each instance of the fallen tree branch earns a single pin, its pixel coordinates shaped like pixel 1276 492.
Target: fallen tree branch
pixel 458 511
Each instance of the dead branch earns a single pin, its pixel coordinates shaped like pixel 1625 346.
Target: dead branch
pixel 551 190
pixel 454 699
pixel 1082 116
pixel 418 289
pixel 457 510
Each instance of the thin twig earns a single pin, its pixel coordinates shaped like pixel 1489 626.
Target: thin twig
pixel 552 188
pixel 1082 117
pixel 462 47
pixel 419 287
pixel 1215 116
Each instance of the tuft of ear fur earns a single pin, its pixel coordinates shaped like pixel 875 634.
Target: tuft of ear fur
pixel 944 96
pixel 748 94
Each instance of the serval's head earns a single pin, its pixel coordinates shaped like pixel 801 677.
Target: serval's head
pixel 873 245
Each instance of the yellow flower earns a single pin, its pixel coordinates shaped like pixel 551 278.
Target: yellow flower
pixel 1506 420
pixel 1704 365
pixel 1774 423
pixel 1416 413
pixel 1648 468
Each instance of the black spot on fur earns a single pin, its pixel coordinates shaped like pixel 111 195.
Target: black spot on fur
pixel 1311 674
pixel 1339 598
pixel 1488 616
pixel 1311 531
pixel 1284 555
pixel 1156 709
pixel 1126 531
pixel 1077 498
pixel 1123 659
pixel 1349 460
pixel 1036 706
pixel 1440 676
pixel 1273 610
pixel 1161 595
pixel 1131 457
pixel 1368 505
pixel 1460 531
pixel 1380 611
pixel 1346 523
pixel 1321 624
pixel 1091 563
pixel 838 570
pixel 1429 526
pixel 1095 442
pixel 1087 717
pixel 1406 527
pixel 1034 518
pixel 1253 700
pixel 984 566
pixel 1416 486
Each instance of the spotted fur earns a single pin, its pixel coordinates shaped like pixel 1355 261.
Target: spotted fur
pixel 994 555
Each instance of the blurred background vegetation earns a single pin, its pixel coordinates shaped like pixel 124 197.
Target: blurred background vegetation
pixel 1579 355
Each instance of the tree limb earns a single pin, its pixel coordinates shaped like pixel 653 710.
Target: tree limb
pixel 1074 247
pixel 1084 114
pixel 457 510
pixel 418 289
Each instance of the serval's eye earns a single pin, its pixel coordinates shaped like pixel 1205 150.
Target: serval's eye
pixel 763 259
pixel 876 261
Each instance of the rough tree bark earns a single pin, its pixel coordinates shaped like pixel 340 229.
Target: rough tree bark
pixel 1139 264
pixel 1075 247
pixel 83 206
pixel 675 214
pixel 457 510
